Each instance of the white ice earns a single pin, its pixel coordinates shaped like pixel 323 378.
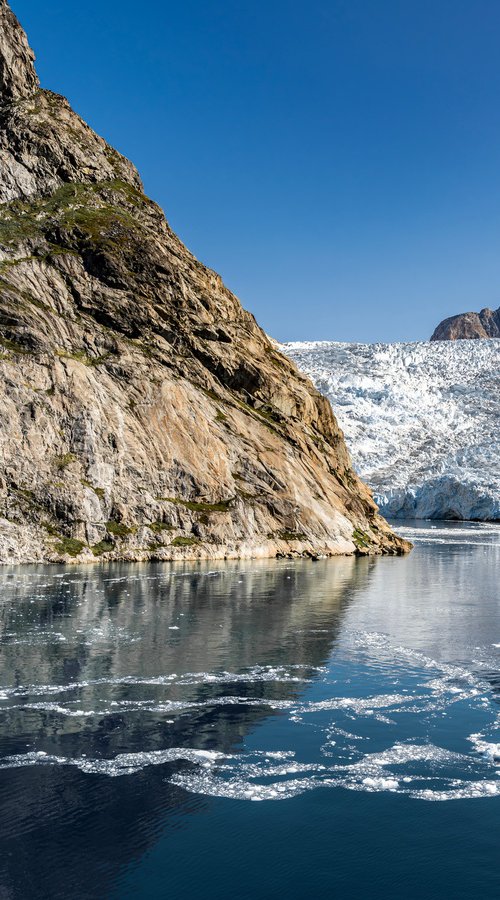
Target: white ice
pixel 422 421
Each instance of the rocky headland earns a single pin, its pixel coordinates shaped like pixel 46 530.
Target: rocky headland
pixel 469 326
pixel 143 412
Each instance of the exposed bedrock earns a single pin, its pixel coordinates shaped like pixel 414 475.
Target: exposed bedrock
pixel 469 326
pixel 143 412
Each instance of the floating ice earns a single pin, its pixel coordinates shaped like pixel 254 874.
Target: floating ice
pixel 490 750
pixel 123 764
pixel 351 744
pixel 381 784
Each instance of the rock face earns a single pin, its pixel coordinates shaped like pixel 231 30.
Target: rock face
pixel 422 421
pixel 469 326
pixel 17 70
pixel 143 412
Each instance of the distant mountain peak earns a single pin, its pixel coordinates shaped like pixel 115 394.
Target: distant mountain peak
pixel 469 326
pixel 18 76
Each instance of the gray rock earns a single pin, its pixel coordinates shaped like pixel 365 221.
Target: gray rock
pixel 17 61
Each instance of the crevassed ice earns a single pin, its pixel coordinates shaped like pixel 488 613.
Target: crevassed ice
pixel 422 421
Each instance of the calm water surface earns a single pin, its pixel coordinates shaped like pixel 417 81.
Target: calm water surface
pixel 254 730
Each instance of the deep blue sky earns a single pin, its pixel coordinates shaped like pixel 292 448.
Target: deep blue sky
pixel 337 162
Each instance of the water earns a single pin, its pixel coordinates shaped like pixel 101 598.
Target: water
pixel 254 730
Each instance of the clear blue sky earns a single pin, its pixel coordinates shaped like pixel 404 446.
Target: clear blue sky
pixel 337 162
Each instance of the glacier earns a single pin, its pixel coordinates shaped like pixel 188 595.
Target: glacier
pixel 422 421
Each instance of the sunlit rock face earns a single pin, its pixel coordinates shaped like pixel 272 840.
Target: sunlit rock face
pixel 143 412
pixel 422 421
pixel 469 326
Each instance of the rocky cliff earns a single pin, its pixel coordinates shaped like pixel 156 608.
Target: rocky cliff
pixel 469 326
pixel 143 412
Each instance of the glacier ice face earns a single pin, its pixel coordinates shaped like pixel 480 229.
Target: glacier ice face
pixel 422 421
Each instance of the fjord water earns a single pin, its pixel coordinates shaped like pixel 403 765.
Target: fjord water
pixel 144 708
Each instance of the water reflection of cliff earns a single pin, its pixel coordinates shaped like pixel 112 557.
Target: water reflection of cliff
pixel 430 601
pixel 109 634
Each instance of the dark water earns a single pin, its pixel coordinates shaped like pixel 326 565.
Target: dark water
pixel 144 710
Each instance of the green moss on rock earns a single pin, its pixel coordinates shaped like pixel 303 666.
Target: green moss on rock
pixel 99 492
pixel 361 539
pixel 184 542
pixel 158 527
pixel 102 547
pixel 202 507
pixel 287 536
pixel 69 547
pixel 119 529
pixel 64 460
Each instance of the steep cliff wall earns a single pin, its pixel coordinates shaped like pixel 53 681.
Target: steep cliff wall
pixel 143 412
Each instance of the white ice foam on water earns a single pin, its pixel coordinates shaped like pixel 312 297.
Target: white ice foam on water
pixel 401 754
pixel 415 767
pixel 422 421
pixel 465 790
pixel 360 705
pixel 131 706
pixel 490 750
pixel 381 784
pixel 253 674
pixel 379 646
pixel 236 777
pixel 123 764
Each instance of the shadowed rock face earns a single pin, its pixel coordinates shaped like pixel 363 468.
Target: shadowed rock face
pixel 143 412
pixel 469 326
pixel 17 71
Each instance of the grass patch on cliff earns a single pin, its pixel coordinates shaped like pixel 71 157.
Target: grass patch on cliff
pixel 266 415
pixel 64 460
pixel 278 360
pixel 212 395
pixel 99 492
pixel 158 527
pixel 119 529
pixel 184 542
pixel 12 347
pixel 69 547
pixel 81 356
pixel 102 547
pixel 51 529
pixel 7 264
pixel 202 507
pixel 25 496
pixel 22 298
pixel 361 539
pixel 287 536
pixel 91 208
